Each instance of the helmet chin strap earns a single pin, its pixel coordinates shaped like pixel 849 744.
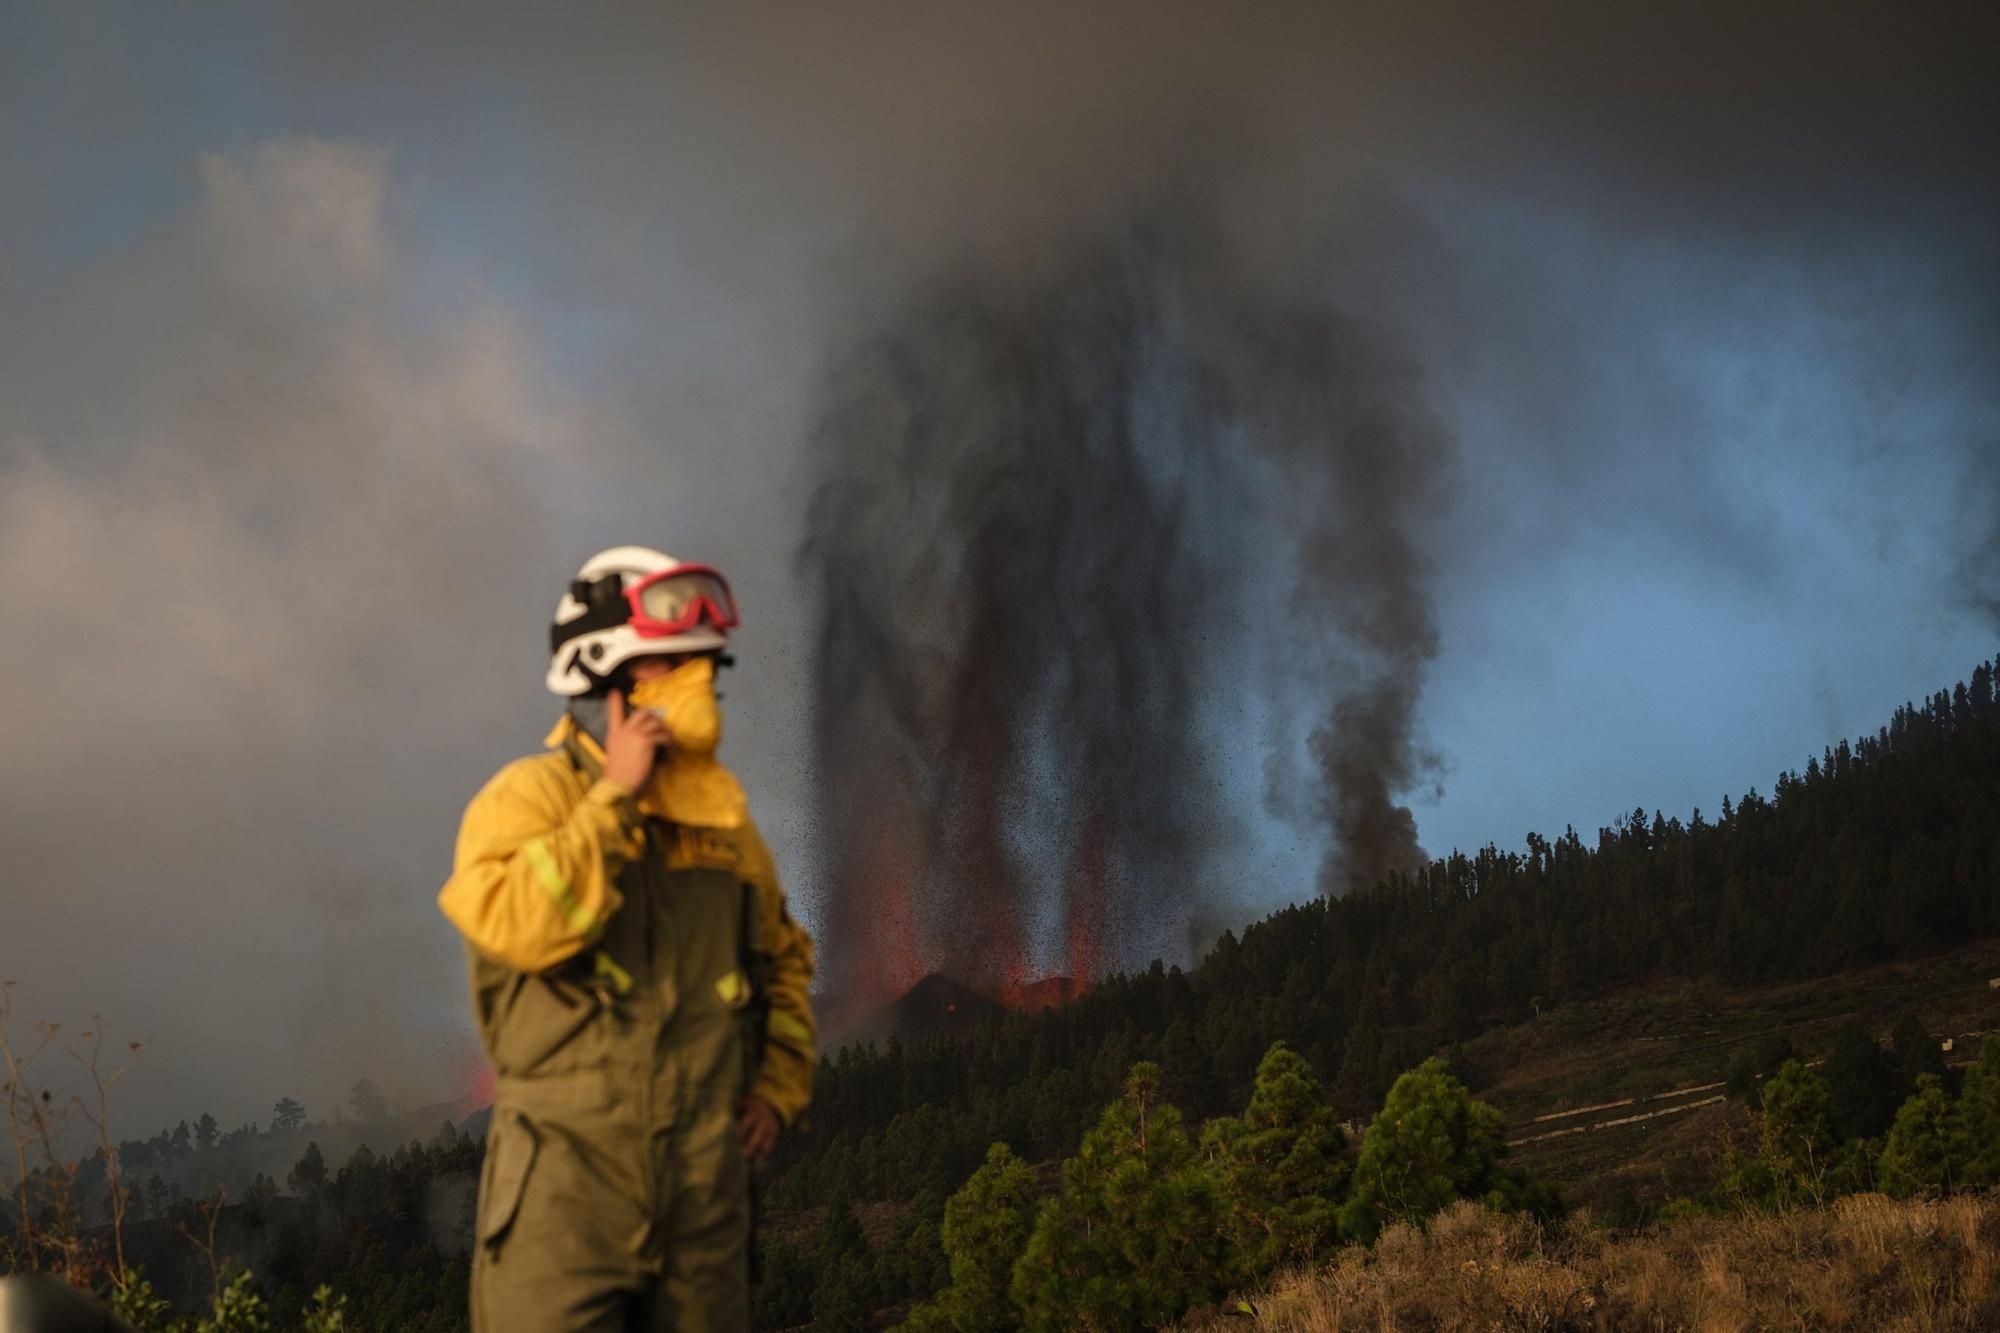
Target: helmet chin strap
pixel 600 685
pixel 592 712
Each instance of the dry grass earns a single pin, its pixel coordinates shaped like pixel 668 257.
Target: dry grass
pixel 1866 1262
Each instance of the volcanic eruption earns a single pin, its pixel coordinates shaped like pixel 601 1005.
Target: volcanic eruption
pixel 1065 521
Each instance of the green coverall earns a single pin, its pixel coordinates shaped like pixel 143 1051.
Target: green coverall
pixel 632 980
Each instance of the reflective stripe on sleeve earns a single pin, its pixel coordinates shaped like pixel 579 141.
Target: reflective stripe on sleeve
pixel 791 1029
pixel 580 920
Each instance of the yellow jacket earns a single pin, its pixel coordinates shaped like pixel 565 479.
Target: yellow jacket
pixel 599 933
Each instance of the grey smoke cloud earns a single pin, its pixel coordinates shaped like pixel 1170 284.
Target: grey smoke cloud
pixel 260 520
pixel 406 309
pixel 1047 506
pixel 1978 567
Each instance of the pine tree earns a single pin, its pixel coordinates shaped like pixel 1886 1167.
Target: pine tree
pixel 238 1309
pixel 1916 1051
pixel 1282 1166
pixel 327 1314
pixel 1134 1238
pixel 844 1300
pixel 1796 1134
pixel 368 1102
pixel 1356 1086
pixel 1432 1142
pixel 986 1227
pixel 910 1262
pixel 1979 1102
pixel 1187 1079
pixel 1765 1057
pixel 309 1176
pixel 782 1296
pixel 1862 1084
pixel 1928 1146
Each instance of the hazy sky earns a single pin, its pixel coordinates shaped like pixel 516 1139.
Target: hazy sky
pixel 336 336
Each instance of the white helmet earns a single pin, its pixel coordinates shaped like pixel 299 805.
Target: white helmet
pixel 632 601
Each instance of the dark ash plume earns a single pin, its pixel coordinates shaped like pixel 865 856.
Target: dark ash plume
pixel 1060 517
pixel 1978 565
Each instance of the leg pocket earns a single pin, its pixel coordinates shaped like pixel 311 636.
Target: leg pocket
pixel 511 1144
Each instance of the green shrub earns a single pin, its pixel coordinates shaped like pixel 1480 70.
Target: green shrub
pixel 1430 1144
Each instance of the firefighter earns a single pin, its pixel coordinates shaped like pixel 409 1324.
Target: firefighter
pixel 639 985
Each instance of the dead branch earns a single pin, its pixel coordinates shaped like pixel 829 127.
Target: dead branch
pixel 211 1212
pixel 99 1117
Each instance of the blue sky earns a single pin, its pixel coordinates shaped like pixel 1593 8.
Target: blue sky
pixel 412 308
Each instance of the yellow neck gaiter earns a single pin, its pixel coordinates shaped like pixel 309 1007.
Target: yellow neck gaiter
pixel 689 785
pixel 685 700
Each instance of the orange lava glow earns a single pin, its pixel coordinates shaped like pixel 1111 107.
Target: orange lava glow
pixel 877 904
pixel 1083 928
pixel 472 1076
pixel 1048 993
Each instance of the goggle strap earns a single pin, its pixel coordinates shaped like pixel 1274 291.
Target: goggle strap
pixel 607 608
pixel 602 611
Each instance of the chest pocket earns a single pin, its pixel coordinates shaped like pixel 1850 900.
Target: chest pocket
pixel 713 903
pixel 739 979
pixel 703 849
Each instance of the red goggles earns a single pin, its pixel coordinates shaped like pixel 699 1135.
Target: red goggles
pixel 675 600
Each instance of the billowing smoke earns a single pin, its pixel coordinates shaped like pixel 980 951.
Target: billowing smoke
pixel 1977 570
pixel 1050 505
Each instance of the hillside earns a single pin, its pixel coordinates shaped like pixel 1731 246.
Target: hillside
pixel 936 1006
pixel 1594 992
pixel 1884 849
pixel 1864 1263
pixel 1574 1082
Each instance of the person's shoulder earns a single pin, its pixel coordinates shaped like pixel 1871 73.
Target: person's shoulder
pixel 745 834
pixel 535 777
pixel 756 861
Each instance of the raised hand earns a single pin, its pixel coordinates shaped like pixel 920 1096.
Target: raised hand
pixel 632 742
